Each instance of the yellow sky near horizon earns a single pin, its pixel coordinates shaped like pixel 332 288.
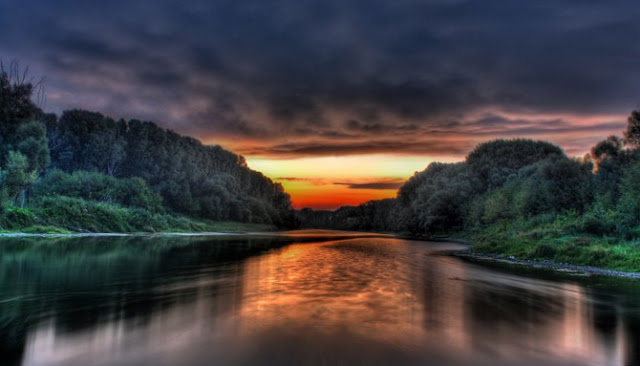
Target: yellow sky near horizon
pixel 326 182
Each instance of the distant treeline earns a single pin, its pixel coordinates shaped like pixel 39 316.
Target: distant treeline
pixel 506 181
pixel 88 156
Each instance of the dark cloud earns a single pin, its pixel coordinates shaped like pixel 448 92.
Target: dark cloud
pixel 376 184
pixel 392 146
pixel 384 184
pixel 496 125
pixel 314 181
pixel 338 77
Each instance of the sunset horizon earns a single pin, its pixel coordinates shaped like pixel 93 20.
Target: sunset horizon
pixel 290 86
pixel 329 176
pixel 319 182
pixel 328 181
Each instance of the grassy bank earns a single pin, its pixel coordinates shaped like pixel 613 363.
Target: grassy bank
pixel 72 215
pixel 559 238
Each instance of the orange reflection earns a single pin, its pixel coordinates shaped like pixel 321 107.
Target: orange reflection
pixel 334 286
pixel 348 302
pixel 377 291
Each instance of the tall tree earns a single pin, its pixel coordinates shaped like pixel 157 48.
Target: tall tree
pixel 632 134
pixel 31 141
pixel 16 106
pixel 17 176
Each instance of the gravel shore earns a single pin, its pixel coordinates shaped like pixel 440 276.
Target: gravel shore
pixel 546 264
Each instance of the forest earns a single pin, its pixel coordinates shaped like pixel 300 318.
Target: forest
pixel 86 172
pixel 83 171
pixel 519 198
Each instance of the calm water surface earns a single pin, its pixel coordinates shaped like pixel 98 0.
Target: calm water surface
pixel 299 300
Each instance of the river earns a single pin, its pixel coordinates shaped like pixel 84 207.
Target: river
pixel 301 298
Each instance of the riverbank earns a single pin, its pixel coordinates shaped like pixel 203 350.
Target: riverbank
pixel 74 216
pixel 557 243
pixel 181 226
pixel 554 245
pixel 225 229
pixel 145 234
pixel 542 264
pixel 563 238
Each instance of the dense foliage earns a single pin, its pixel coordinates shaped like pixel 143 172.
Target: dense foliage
pixel 193 179
pixel 513 194
pixel 501 179
pixel 130 164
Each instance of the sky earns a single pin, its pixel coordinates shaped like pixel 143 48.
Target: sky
pixel 340 100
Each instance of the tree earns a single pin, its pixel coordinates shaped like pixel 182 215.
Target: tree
pixel 31 141
pixel 632 134
pixel 16 106
pixel 17 176
pixel 495 161
pixel 15 99
pixel 609 159
pixel 609 148
pixel 193 179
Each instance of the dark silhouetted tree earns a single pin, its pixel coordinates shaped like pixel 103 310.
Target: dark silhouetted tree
pixel 193 179
pixel 494 162
pixel 632 134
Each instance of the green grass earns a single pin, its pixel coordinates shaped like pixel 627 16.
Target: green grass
pixel 61 215
pixel 46 229
pixel 559 239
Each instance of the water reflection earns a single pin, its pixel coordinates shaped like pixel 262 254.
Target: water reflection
pixel 293 301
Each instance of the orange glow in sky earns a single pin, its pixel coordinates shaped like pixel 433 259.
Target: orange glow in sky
pixel 328 182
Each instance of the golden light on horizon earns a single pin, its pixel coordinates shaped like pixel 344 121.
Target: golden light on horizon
pixel 327 182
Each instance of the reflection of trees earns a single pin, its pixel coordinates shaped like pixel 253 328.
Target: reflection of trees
pixel 629 326
pixel 83 282
pixel 12 340
pixel 442 288
pixel 340 297
pixel 542 320
pixel 604 316
pixel 511 306
pixel 508 320
pixel 632 346
pixel 606 320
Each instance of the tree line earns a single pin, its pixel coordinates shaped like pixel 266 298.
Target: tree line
pixel 87 155
pixel 504 181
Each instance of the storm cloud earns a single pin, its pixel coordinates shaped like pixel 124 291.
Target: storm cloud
pixel 294 78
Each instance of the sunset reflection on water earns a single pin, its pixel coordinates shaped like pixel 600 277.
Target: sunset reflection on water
pixel 390 292
pixel 348 301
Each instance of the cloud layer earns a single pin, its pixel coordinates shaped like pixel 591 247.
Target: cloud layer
pixel 292 78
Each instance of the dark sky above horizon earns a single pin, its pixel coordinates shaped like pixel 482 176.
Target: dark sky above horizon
pixel 290 79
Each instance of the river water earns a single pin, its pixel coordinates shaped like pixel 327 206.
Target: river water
pixel 304 298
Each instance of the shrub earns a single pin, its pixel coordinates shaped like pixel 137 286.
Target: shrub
pixel 543 251
pixel 93 186
pixel 13 218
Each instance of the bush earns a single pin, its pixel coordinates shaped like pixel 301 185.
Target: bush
pixel 598 223
pixel 543 251
pixel 13 218
pixel 80 215
pixel 93 186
